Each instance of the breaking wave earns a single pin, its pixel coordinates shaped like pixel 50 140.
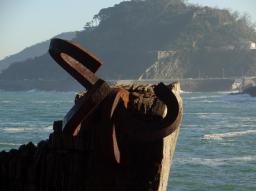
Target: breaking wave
pixel 229 134
pixel 27 129
pixel 6 101
pixel 48 128
pixel 9 144
pixel 14 129
pixel 217 161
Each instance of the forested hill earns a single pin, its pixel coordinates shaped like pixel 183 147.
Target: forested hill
pixel 127 37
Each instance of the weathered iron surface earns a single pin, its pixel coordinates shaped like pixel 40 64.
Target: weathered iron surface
pixel 85 106
pixel 156 129
pixel 113 138
pixel 79 63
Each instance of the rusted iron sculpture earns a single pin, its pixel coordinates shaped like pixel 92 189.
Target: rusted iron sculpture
pixel 111 139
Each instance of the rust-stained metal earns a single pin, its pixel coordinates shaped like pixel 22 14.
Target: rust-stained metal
pixel 82 66
pixel 103 143
pixel 85 106
pixel 149 131
pixel 78 62
pixel 109 108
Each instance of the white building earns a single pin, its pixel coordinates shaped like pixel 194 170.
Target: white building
pixel 165 54
pixel 252 45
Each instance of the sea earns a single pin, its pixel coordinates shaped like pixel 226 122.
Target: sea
pixel 216 149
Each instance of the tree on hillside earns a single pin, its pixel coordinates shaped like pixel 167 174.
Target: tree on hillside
pixel 127 37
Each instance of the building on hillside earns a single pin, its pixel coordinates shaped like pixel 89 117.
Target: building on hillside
pixel 163 54
pixel 248 45
pixel 252 45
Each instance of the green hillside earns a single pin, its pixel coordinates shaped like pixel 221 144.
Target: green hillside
pixel 128 37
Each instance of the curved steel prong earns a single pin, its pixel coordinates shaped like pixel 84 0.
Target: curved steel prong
pixel 85 106
pixel 78 62
pixel 142 130
pixel 81 65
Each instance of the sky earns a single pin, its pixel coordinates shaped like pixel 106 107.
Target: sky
pixel 26 22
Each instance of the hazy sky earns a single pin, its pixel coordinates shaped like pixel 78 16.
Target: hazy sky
pixel 26 22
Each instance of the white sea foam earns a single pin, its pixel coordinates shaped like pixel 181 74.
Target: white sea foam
pixel 9 144
pixel 229 134
pixel 228 92
pixel 48 128
pixel 185 92
pixel 197 97
pixel 208 101
pixel 204 97
pixel 31 91
pixel 14 129
pixel 6 101
pixel 39 102
pixel 27 129
pixel 49 91
pixel 217 161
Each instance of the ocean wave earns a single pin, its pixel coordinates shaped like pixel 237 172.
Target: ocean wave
pixel 197 98
pixel 191 125
pixel 9 144
pixel 207 101
pixel 31 91
pixel 14 129
pixel 48 128
pixel 225 124
pixel 40 102
pixel 49 91
pixel 27 129
pixel 238 97
pixel 185 92
pixel 221 97
pixel 204 113
pixel 217 161
pixel 228 92
pixel 7 101
pixel 229 134
pixel 204 97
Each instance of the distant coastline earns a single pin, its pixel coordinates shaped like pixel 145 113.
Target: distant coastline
pixel 191 85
